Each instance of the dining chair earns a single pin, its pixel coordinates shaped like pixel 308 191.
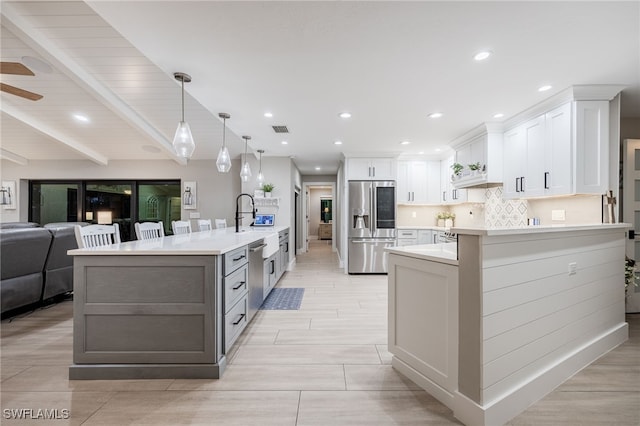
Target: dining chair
pixel 149 230
pixel 204 224
pixel 221 223
pixel 97 235
pixel 181 227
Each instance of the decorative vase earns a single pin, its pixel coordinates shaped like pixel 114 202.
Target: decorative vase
pixel 448 223
pixel 441 223
pixel 267 195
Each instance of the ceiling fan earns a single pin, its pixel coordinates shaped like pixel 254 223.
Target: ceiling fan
pixel 16 68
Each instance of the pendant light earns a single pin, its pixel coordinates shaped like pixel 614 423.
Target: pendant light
pixel 224 161
pixel 260 174
pixel 183 142
pixel 245 172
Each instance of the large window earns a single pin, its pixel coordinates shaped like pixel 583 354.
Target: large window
pixel 121 202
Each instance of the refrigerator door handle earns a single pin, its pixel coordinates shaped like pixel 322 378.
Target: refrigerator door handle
pixel 372 209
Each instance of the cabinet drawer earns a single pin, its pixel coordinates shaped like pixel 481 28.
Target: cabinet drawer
pixel 235 259
pixel 407 242
pixel 235 286
pixel 407 233
pixel 235 321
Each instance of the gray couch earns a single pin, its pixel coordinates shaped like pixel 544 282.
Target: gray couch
pixel 23 254
pixel 34 262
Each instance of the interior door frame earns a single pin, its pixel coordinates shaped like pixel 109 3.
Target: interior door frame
pixel 630 173
pixel 305 213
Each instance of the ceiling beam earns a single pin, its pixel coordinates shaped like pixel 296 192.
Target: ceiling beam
pixel 65 64
pixel 49 131
pixel 10 156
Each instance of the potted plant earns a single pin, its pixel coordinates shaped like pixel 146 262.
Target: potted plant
pixel 630 275
pixel 475 168
pixel 448 221
pixel 267 188
pixel 457 170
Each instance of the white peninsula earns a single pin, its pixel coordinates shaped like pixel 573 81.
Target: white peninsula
pixel 491 325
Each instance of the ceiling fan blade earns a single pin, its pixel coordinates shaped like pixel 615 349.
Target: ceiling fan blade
pixel 20 92
pixel 14 68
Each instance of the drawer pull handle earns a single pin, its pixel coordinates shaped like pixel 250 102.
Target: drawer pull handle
pixel 239 285
pixel 235 259
pixel 239 319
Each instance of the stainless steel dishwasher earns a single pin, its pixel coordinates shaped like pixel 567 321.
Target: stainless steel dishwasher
pixel 256 277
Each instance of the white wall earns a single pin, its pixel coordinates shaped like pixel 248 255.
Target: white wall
pixel 216 191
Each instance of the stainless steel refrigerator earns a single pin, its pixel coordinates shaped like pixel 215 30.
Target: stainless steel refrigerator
pixel 372 225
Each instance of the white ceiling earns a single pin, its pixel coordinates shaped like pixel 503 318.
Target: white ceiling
pixel 388 63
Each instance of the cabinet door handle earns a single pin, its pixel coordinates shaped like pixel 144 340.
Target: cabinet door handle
pixel 444 195
pixel 374 171
pixel 546 180
pixel 239 285
pixel 369 171
pixel 235 259
pixel 273 267
pixel 240 318
pixel 522 184
pixel 517 184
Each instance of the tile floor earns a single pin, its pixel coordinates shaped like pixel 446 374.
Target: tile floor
pixel 325 364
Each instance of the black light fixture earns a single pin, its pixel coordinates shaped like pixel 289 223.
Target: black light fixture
pixel 245 172
pixel 183 142
pixel 223 163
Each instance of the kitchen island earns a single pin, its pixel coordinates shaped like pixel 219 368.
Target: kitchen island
pixel 170 307
pixel 492 324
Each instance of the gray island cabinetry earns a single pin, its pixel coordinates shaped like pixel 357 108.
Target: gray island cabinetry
pixel 164 308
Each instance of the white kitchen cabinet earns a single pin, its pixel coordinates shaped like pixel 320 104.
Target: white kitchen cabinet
pixel 407 237
pixel 371 169
pixel 449 194
pixel 558 161
pixel 418 182
pixel 564 151
pixel 484 146
pixel 425 236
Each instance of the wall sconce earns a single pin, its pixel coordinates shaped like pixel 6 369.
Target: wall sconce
pixel 8 194
pixel 189 200
pixel 105 217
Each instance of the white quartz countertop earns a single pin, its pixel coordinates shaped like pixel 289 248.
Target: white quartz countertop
pixel 442 253
pixel 214 242
pixel 538 229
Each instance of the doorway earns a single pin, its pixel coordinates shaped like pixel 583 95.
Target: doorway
pixel 631 212
pixel 319 213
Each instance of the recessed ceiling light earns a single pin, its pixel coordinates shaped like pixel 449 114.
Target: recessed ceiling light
pixel 498 115
pixel 481 56
pixel 421 152
pixel 284 143
pixel 405 143
pixel 81 117
pixel 345 115
pixel 337 143
pixel 268 114
pixel 318 168
pixel 544 88
pixel 438 149
pixel 435 115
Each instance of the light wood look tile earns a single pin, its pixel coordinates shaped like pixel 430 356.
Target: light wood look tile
pixel 291 368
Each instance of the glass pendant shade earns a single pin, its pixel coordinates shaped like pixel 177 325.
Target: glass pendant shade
pixel 260 174
pixel 183 142
pixel 223 163
pixel 245 172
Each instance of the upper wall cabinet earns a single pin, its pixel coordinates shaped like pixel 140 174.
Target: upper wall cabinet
pixel 480 152
pixel 563 151
pixel 371 169
pixel 418 182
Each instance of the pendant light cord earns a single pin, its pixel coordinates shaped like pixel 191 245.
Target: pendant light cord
pixel 182 80
pixel 224 131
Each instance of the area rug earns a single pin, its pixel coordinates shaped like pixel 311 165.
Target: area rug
pixel 283 299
